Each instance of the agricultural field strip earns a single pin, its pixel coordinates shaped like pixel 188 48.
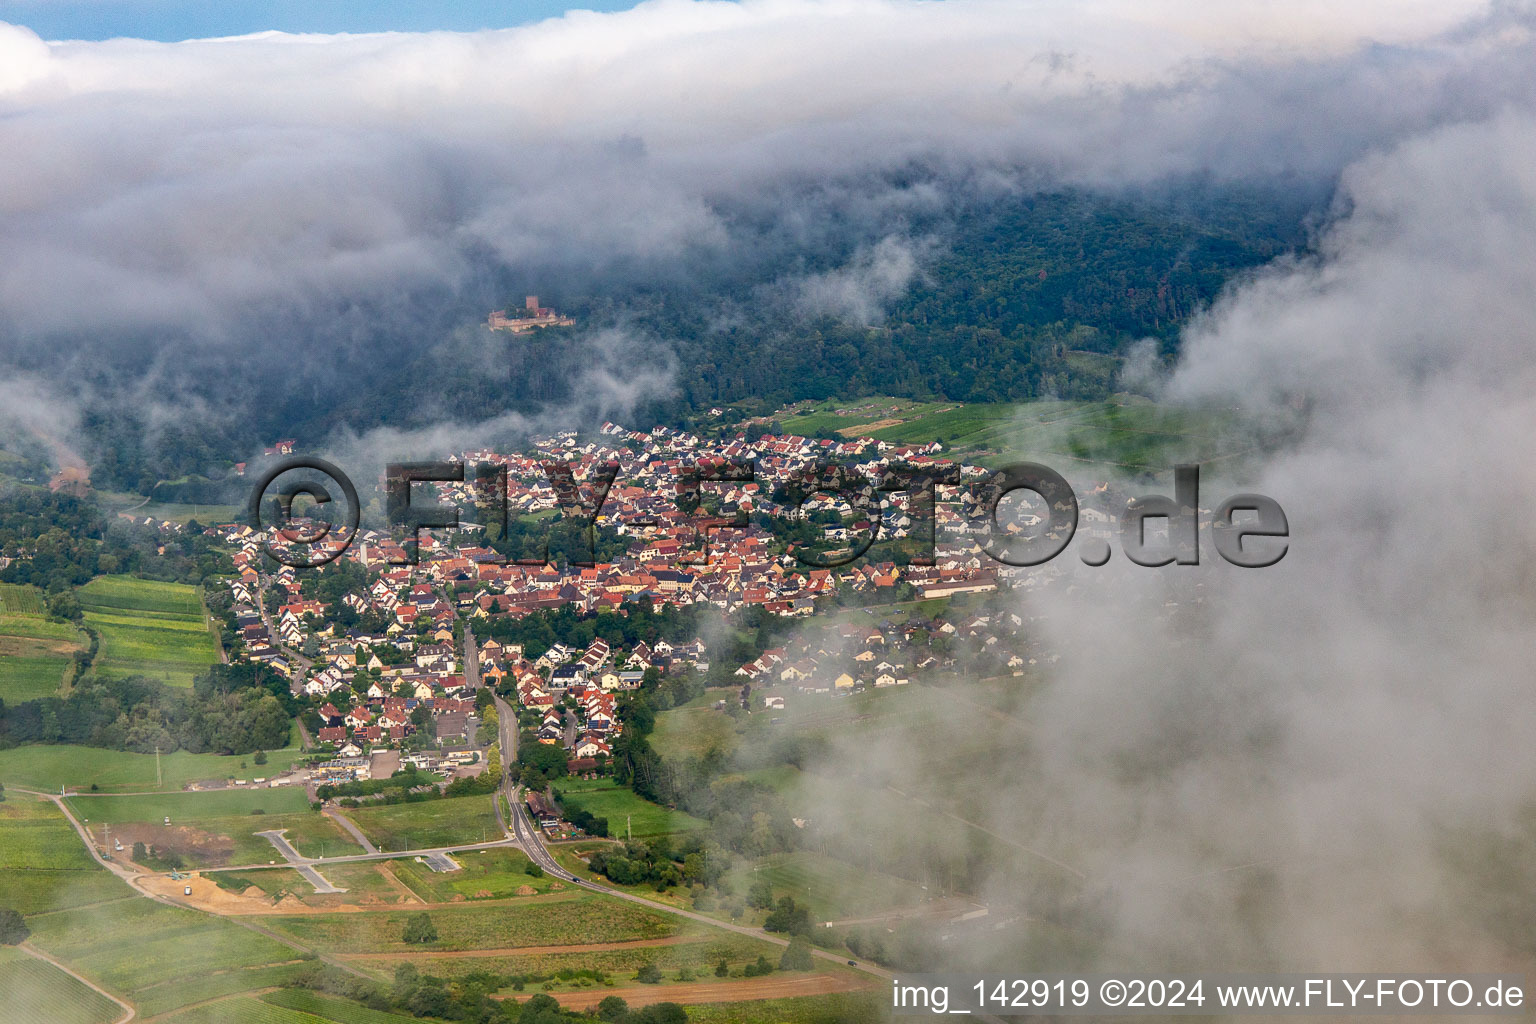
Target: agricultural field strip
pixel 251 933
pixel 330 1008
pixel 676 914
pixel 184 807
pixel 29 979
pixel 48 768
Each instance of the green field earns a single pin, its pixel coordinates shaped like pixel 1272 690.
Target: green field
pixel 177 512
pixel 44 866
pixel 242 1010
pixel 452 821
pixel 34 990
pixel 499 872
pixel 46 768
pixel 701 955
pixel 217 829
pixel 183 807
pixel 331 1008
pixel 148 628
pixel 27 676
pixel 161 957
pixel 34 652
pixel 845 1008
pixel 167 996
pixel 832 889
pixel 692 732
pixel 286 1006
pixel 20 598
pixel 568 918
pixel 624 809
pixel 1125 432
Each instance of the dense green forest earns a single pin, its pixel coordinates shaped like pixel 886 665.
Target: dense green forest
pixel 59 541
pixel 1017 303
pixel 237 712
pixel 1014 295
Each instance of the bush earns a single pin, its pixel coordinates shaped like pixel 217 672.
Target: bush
pixel 786 917
pixel 13 930
pixel 758 968
pixel 650 974
pixel 419 929
pixel 659 1013
pixel 798 956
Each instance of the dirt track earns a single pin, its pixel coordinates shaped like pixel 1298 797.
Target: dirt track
pixel 774 986
pixel 861 429
pixel 471 954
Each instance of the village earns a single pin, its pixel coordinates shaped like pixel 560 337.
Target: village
pixel 384 664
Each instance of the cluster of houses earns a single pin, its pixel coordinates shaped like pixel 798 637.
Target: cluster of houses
pixel 408 659
pixel 573 693
pixel 845 658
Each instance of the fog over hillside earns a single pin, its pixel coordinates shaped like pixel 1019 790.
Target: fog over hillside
pixel 228 235
pixel 1328 761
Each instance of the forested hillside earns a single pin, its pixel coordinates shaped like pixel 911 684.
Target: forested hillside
pixel 1003 295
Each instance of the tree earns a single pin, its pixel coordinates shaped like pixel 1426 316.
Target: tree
pixel 546 760
pixel 612 1009
pixel 261 757
pixel 650 974
pixel 419 929
pixel 787 917
pixel 13 930
pixel 722 969
pixel 2 785
pixel 760 895
pixel 539 1007
pixel 798 956
pixel 661 1013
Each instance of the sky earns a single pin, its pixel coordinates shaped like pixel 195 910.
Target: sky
pixel 173 20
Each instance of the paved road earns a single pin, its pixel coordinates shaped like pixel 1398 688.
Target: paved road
pixel 527 835
pixel 358 858
pixel 355 832
pixel 303 865
pixel 441 862
pixel 533 845
pixel 301 663
pixel 471 658
pixel 131 878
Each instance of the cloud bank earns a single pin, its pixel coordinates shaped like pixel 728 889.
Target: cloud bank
pixel 203 197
